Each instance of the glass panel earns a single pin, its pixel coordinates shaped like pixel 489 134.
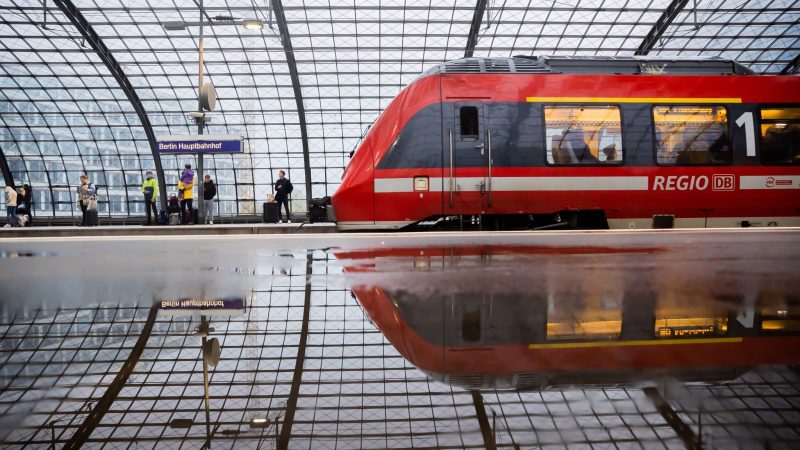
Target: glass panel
pixel 681 317
pixel 590 316
pixel 780 135
pixel 779 313
pixel 583 134
pixel 691 135
pixel 469 121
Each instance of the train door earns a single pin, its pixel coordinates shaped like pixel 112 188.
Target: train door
pixel 467 183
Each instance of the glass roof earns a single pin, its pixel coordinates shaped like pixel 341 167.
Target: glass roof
pixel 62 112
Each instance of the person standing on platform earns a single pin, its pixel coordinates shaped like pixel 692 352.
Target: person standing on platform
pixel 209 192
pixel 85 192
pixel 29 203
pixel 150 191
pixel 187 176
pixel 11 204
pixel 22 207
pixel 185 191
pixel 283 187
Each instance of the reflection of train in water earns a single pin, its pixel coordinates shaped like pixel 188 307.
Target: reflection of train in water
pixel 620 143
pixel 564 331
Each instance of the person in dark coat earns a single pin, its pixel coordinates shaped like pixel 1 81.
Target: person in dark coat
pixel 283 188
pixel 209 192
pixel 29 202
pixel 22 207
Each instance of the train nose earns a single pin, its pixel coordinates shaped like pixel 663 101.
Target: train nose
pixel 352 204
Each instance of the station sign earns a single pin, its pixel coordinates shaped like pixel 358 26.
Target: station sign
pixel 203 306
pixel 199 143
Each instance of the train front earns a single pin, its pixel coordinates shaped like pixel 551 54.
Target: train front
pixel 354 203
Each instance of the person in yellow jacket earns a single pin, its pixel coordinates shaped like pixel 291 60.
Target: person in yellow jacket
pixel 185 191
pixel 150 191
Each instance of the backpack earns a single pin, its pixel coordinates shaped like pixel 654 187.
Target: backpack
pixel 289 187
pixel 187 176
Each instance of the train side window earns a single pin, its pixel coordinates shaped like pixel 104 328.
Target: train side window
pixel 688 316
pixel 583 134
pixel 780 135
pixel 584 316
pixel 691 135
pixel 468 115
pixel 781 317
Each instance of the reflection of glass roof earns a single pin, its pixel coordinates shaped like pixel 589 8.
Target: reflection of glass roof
pixel 354 390
pixel 62 112
pixel 397 341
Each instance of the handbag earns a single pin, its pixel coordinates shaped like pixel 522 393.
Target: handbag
pixel 91 204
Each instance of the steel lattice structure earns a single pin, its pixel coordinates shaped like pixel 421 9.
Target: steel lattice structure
pixel 64 109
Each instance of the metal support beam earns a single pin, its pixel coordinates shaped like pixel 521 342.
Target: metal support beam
pixel 793 67
pixel 477 20
pixel 88 33
pixel 6 170
pixel 689 438
pixel 661 25
pixel 483 421
pixel 291 403
pixel 102 406
pixel 280 19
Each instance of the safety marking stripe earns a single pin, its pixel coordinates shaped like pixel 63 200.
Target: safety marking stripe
pixel 631 100
pixel 636 343
pixel 769 182
pixel 517 184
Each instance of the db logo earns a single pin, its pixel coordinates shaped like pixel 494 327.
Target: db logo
pixel 723 182
pixel 770 183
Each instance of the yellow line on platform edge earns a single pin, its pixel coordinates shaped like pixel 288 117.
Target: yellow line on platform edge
pixel 631 100
pixel 635 343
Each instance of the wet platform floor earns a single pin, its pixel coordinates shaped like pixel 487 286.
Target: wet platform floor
pixel 658 339
pixel 172 230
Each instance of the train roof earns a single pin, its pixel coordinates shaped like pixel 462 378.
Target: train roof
pixel 625 65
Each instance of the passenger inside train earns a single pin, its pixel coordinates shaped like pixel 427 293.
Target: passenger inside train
pixel 781 143
pixel 585 134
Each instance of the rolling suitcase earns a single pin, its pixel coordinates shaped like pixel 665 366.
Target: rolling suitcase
pixel 91 218
pixel 271 212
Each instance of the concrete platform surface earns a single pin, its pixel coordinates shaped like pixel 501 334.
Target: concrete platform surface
pixel 141 230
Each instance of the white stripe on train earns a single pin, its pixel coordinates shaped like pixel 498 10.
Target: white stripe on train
pixel 633 223
pixel 514 184
pixel 521 184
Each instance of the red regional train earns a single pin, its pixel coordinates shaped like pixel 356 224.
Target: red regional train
pixel 589 142
pixel 579 330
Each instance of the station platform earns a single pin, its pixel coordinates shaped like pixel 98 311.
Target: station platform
pixel 141 230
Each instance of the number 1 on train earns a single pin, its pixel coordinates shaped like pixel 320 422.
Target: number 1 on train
pixel 746 121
